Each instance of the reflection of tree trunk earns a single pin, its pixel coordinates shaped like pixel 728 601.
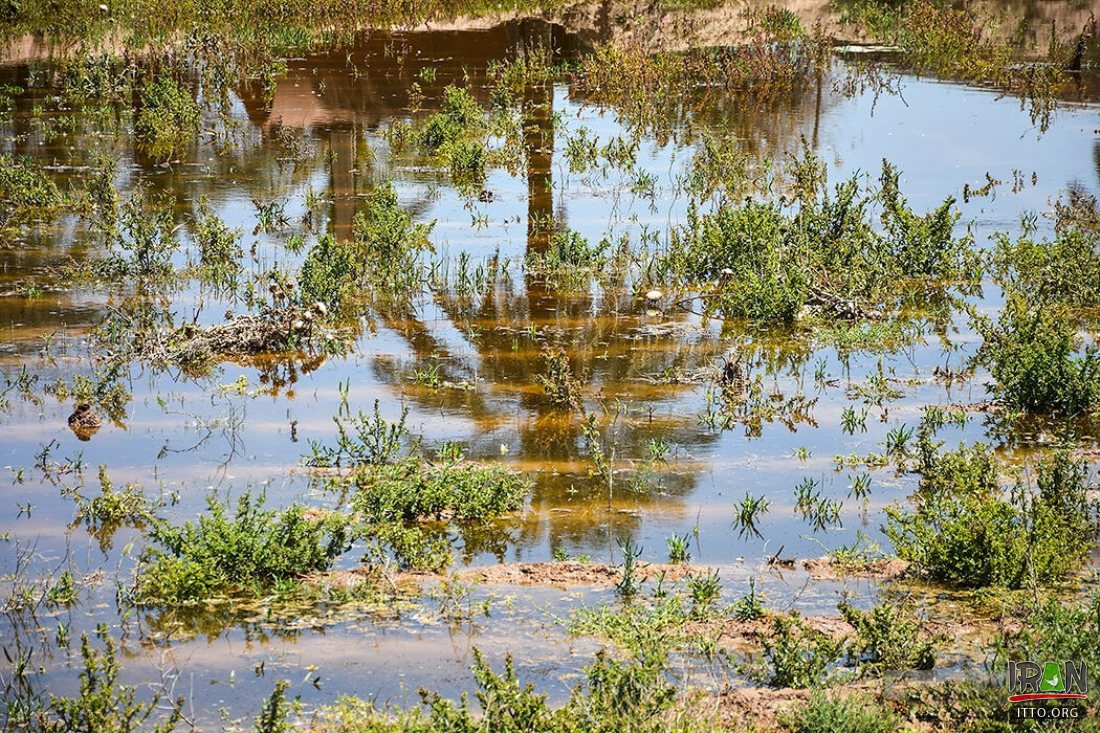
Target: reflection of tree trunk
pixel 538 140
pixel 342 182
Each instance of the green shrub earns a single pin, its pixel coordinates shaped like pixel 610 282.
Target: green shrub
pixel 1064 270
pixel 255 551
pixel 887 638
pixel 411 490
pixel 24 188
pixel 103 705
pixel 1034 356
pixel 967 531
pixel 824 713
pixel 1057 631
pixel 327 275
pixel 795 655
pixel 767 262
pixel 168 116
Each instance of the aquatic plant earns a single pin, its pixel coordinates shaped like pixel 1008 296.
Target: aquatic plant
pixel 888 638
pixel 410 490
pixel 103 704
pixel 775 262
pixel 168 117
pixel 1035 358
pixel 254 551
pixel 24 190
pixel 679 548
pixel 747 513
pixel 558 381
pixel 966 531
pixel 362 440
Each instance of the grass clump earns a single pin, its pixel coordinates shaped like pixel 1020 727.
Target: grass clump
pixel 254 552
pixel 411 490
pixel 633 695
pixel 383 252
pixel 113 508
pixel 818 253
pixel 24 190
pixel 1035 358
pixel 824 713
pixel 966 531
pixel 1064 270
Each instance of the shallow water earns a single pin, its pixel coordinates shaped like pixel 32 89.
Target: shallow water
pixel 192 438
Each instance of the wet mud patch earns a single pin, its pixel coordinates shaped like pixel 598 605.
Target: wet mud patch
pixel 888 568
pixel 572 573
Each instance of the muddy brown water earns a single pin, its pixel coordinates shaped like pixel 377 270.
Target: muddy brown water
pixel 189 439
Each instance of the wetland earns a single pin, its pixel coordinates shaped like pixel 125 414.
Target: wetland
pixel 547 367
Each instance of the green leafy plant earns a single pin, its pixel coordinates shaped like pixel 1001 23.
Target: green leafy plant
pixel 254 551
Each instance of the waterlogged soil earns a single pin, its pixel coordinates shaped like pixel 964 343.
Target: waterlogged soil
pixel 248 426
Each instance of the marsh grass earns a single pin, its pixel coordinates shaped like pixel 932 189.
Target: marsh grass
pixel 774 263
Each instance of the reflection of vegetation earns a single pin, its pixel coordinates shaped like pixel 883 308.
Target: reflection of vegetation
pixel 113 508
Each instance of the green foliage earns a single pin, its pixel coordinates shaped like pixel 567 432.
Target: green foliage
pixel 767 262
pixel 749 607
pixel 383 253
pixel 1057 630
pixel 275 711
pixel 1064 270
pixel 795 655
pixel 888 638
pixel 24 189
pixel 562 388
pixel 328 273
pixel 168 116
pixel 824 713
pixel 747 513
pixel 569 259
pixel 111 509
pixel 256 551
pixel 103 704
pixel 363 440
pixel 219 247
pixel 410 490
pixel 967 532
pixel 1034 356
